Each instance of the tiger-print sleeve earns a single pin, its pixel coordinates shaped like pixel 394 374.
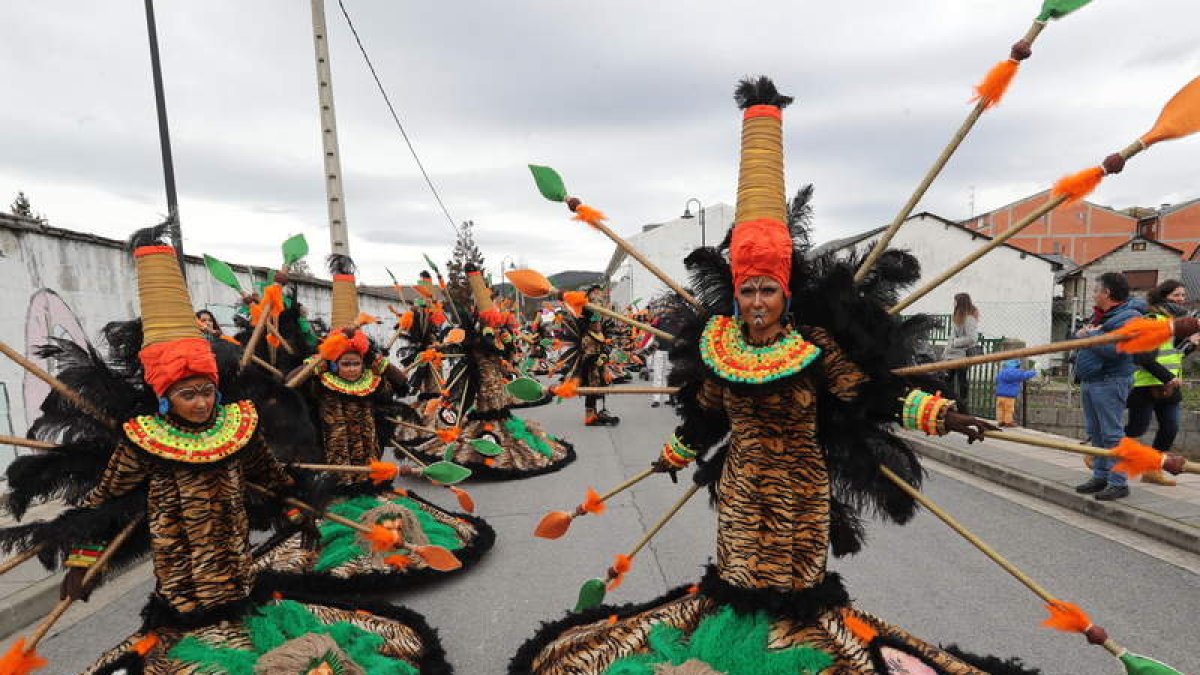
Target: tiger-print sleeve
pixel 704 422
pixel 127 469
pixel 261 467
pixel 842 376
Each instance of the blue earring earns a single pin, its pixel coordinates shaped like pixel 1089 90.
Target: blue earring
pixel 332 367
pixel 219 397
pixel 163 405
pixel 736 310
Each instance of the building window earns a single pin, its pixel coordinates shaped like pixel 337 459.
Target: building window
pixel 1138 246
pixel 1141 280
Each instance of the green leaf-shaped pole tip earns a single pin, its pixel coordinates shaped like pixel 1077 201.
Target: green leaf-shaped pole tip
pixel 591 594
pixel 222 272
pixel 486 448
pixel 448 451
pixel 525 389
pixel 1057 9
pixel 446 473
pixel 294 249
pixel 549 183
pixel 432 265
pixel 1136 664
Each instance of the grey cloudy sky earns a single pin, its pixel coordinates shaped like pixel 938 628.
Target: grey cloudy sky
pixel 631 101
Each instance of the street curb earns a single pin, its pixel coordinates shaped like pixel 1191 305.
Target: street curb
pixel 29 604
pixel 1144 522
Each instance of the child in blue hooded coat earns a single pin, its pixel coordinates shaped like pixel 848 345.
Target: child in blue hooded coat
pixel 1008 387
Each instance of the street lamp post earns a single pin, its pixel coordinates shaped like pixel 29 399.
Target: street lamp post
pixel 687 214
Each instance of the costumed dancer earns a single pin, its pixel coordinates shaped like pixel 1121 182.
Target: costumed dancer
pixel 585 358
pixel 175 479
pixel 421 329
pixel 790 361
pixel 352 395
pixel 478 429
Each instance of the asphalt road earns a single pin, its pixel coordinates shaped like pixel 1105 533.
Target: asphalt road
pixel 921 576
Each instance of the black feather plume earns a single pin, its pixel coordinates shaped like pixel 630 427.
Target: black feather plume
pixel 340 264
pixel 149 236
pixel 759 90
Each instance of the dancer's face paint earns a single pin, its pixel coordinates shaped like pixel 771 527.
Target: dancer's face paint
pixel 193 399
pixel 761 302
pixel 350 366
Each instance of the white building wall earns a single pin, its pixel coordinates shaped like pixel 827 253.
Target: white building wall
pixel 1014 291
pixel 666 246
pixel 68 287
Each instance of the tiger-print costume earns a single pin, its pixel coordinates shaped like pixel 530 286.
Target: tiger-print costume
pixel 594 363
pixel 199 529
pixel 347 424
pixel 773 517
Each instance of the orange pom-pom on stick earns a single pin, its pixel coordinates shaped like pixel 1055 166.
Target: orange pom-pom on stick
pixel 432 356
pixel 464 498
pixel 575 300
pixel 449 434
pixel 995 83
pixel 382 539
pixel 398 561
pixel 553 525
pixel 1067 617
pixel 438 558
pixel 1136 458
pixel 589 215
pixel 383 472
pixel 142 647
pixel 1144 335
pixel 861 629
pixel 1078 185
pixel 592 503
pixel 406 320
pixel 19 662
pixel 616 574
pixel 568 389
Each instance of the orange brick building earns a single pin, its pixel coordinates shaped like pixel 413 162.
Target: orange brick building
pixel 1086 231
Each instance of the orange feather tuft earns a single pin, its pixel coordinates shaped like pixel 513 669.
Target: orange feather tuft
pixel 589 215
pixel 437 315
pixel 530 283
pixel 568 389
pixel 1136 458
pixel 142 647
pixel 995 83
pixel 432 356
pixel 382 539
pixel 621 565
pixel 398 561
pixel 1078 185
pixel 861 629
pixel 553 525
pixel 464 498
pixel 406 320
pixel 575 300
pixel 1144 335
pixel 449 434
pixel 383 472
pixel 1067 617
pixel 438 558
pixel 20 662
pixel 592 503
pixel 431 407
pixel 334 345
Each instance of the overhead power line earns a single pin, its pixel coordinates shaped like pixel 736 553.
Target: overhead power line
pixel 396 118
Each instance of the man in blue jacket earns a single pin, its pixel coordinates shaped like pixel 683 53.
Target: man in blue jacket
pixel 1106 376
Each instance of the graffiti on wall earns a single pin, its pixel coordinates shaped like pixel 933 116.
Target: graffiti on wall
pixel 47 316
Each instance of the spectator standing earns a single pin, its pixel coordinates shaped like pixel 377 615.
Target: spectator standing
pixel 1009 381
pixel 1158 378
pixel 1105 378
pixel 964 341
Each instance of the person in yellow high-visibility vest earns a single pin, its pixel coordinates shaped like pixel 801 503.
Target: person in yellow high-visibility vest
pixel 1157 381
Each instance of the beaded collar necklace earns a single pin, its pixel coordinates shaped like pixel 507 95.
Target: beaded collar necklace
pixel 725 350
pixel 230 431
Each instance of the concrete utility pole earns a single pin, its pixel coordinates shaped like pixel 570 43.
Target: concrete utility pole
pixel 339 239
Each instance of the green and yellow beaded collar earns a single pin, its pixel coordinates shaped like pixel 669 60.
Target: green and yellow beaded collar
pixel 231 430
pixel 725 350
pixel 364 386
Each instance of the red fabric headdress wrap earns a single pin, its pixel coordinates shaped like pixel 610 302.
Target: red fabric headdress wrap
pixel 165 363
pixel 761 248
pixel 336 344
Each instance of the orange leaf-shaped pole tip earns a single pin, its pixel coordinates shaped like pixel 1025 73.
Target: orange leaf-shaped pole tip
pixel 568 389
pixel 449 434
pixel 592 503
pixel 1067 617
pixel 530 283
pixel 464 499
pixel 995 83
pixel 431 407
pixel 364 319
pixel 1136 458
pixel 589 215
pixel 383 472
pixel 1143 335
pixel 398 561
pixel 1078 185
pixel 575 300
pixel 616 574
pixel 553 525
pixel 438 558
pixel 382 539
pixel 19 662
pixel 1179 118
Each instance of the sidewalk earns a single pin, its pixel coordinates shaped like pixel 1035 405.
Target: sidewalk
pixel 28 591
pixel 1169 514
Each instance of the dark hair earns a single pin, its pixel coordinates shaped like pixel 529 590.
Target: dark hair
pixel 1161 291
pixel 963 307
pixel 216 324
pixel 1116 285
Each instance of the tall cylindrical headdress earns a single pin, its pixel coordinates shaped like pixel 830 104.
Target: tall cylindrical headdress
pixel 172 346
pixel 344 311
pixel 480 293
pixel 761 244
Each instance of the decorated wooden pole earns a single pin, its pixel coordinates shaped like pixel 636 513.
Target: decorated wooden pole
pixel 1133 458
pixel 533 284
pixel 1179 118
pixel 1064 616
pixel 22 657
pixel 377 471
pixel 15 561
pixel 556 523
pixel 5 439
pixel 987 95
pixel 63 390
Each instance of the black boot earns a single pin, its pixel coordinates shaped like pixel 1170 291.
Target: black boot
pixel 604 418
pixel 1091 486
pixel 1113 492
